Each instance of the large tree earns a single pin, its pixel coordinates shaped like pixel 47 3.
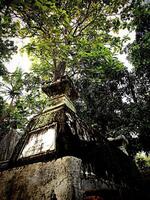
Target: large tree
pixel 58 27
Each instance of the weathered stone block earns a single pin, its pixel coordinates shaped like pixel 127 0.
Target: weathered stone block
pixel 39 180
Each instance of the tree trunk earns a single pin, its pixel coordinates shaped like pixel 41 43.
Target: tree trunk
pixel 59 71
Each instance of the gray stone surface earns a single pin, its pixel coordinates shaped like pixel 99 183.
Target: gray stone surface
pixel 37 181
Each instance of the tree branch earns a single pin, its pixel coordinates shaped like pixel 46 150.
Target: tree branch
pixel 85 17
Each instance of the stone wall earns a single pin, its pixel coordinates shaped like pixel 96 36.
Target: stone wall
pixel 39 181
pixel 63 178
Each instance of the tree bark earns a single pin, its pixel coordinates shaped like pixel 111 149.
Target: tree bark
pixel 59 71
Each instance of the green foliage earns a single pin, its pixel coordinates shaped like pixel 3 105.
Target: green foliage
pixel 59 27
pixel 8 29
pixel 20 99
pixel 143 161
pixel 139 56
